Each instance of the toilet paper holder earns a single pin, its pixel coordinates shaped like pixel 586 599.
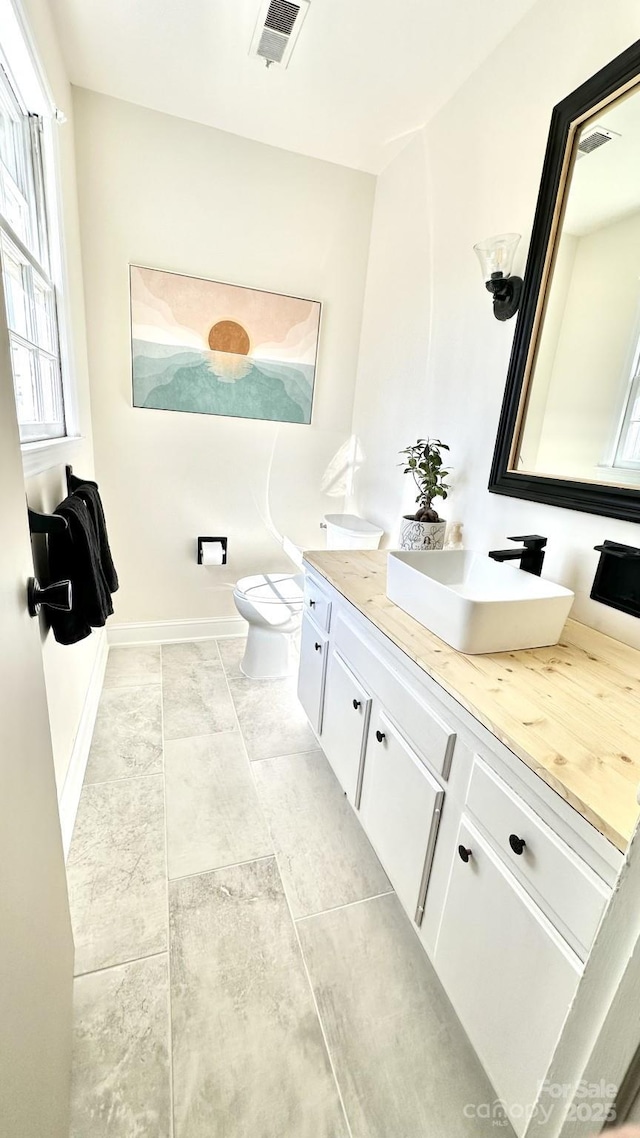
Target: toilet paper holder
pixel 221 540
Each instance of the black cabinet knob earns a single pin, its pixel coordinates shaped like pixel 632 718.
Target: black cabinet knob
pixel 464 853
pixel 356 704
pixel 312 604
pixel 55 596
pixel 380 736
pixel 318 647
pixel 517 844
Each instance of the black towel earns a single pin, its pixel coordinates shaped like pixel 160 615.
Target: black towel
pixel 75 555
pixel 89 493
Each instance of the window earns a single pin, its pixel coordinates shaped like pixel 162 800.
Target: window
pixel 26 267
pixel 628 446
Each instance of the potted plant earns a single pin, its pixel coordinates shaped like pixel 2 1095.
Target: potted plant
pixel 423 461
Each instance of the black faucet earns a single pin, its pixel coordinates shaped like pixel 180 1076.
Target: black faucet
pixel 530 556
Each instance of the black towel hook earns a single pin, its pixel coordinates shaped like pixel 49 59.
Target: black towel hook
pixel 74 482
pixel 46 523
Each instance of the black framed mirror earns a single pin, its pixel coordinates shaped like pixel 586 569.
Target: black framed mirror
pixel 569 430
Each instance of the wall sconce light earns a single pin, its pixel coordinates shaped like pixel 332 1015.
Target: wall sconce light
pixel 495 255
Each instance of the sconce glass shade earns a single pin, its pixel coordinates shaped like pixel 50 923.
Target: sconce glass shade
pixel 496 254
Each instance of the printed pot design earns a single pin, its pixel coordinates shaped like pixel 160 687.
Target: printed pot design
pixel 422 535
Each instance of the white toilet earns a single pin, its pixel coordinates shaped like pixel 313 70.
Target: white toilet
pixel 348 531
pixel 272 603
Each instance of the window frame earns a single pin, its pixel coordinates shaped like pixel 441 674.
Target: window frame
pixel 41 454
pixel 631 401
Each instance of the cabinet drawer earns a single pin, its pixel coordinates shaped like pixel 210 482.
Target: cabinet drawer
pixel 429 732
pixel 317 604
pixel 347 707
pixel 568 889
pixel 400 809
pixel 314 647
pixel 509 975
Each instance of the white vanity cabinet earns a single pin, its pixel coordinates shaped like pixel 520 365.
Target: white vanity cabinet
pixel 505 883
pixel 508 973
pixel 400 809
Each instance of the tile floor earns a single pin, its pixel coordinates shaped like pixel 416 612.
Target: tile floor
pixel 243 968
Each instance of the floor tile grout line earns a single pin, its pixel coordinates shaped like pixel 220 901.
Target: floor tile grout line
pixel 295 929
pixel 122 778
pixel 126 778
pixel 347 905
pixel 287 755
pixel 319 1015
pixel 172 1120
pixel 201 735
pixel 131 687
pixel 221 868
pixel 119 964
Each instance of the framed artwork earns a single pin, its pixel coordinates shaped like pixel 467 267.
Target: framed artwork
pixel 218 349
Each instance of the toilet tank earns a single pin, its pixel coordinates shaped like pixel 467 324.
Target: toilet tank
pixel 348 531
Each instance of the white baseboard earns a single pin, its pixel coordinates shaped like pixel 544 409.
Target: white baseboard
pixel 172 631
pixel 74 779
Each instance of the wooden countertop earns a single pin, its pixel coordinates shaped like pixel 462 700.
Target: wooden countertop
pixel 570 712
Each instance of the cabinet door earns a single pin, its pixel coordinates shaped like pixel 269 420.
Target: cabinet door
pixel 507 972
pixel 344 724
pixel 400 809
pixel 313 665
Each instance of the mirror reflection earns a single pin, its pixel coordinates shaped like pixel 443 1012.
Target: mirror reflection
pixel 581 418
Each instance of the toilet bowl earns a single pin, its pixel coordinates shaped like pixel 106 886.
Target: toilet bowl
pixel 272 603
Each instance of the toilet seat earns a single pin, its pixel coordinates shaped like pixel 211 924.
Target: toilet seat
pixel 273 589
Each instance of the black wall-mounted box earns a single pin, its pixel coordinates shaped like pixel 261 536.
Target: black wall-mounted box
pixel 617 579
pixel 223 543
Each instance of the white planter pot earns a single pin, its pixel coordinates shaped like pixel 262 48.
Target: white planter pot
pixel 422 535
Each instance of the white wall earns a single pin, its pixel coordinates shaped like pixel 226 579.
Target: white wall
pixel 433 359
pixel 67 669
pixel 171 194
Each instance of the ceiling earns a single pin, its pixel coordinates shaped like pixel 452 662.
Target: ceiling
pixel 363 76
pixel 605 185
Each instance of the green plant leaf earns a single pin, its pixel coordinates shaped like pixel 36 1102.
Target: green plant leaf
pixel 424 462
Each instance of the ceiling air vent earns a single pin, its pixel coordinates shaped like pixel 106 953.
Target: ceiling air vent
pixel 593 138
pixel 277 29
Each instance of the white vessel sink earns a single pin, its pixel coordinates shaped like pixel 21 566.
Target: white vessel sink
pixel 476 604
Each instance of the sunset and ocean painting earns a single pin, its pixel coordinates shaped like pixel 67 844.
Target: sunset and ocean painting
pixel 217 349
